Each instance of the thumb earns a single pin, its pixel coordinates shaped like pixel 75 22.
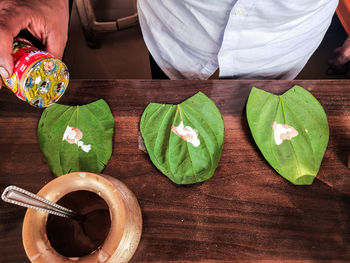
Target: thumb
pixel 6 60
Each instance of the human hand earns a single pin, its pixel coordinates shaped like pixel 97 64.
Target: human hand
pixel 340 65
pixel 47 20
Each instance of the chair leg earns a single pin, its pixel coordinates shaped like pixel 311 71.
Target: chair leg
pixel 87 19
pixel 91 27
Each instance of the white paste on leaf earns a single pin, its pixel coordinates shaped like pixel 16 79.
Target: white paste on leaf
pixel 282 132
pixel 186 133
pixel 73 135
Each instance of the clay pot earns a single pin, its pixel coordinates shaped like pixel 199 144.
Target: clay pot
pixel 126 220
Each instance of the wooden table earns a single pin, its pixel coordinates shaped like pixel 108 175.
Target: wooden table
pixel 245 212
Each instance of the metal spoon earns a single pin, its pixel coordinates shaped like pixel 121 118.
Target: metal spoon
pixel 18 196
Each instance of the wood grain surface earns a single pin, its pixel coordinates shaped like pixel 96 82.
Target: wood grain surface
pixel 245 213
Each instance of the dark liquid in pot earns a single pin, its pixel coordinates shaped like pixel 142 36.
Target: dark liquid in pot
pixel 74 238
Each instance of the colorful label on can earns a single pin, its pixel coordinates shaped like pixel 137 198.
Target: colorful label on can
pixel 20 67
pixel 38 77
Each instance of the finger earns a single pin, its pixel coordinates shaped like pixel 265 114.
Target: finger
pixel 337 50
pixel 56 43
pixel 345 51
pixel 342 59
pixel 6 60
pixel 334 64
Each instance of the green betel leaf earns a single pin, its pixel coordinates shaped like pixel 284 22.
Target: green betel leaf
pixel 76 138
pixel 184 141
pixel 290 130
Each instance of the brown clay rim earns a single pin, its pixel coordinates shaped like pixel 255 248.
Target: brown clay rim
pixel 35 241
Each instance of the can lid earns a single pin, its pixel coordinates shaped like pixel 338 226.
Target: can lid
pixel 44 82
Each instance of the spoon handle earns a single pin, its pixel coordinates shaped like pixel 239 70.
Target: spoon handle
pixel 18 196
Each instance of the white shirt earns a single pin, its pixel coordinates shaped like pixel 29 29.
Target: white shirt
pixel 273 39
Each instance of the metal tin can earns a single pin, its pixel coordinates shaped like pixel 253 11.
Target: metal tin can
pixel 38 77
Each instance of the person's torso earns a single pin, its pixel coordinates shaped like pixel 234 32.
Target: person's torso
pixel 247 38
